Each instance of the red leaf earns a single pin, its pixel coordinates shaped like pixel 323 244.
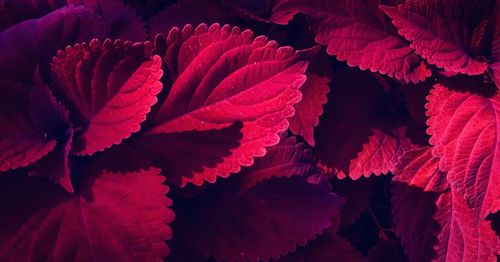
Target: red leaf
pixel 440 226
pixel 37 41
pixel 21 143
pixel 356 32
pixel 465 132
pixel 276 203
pixel 358 135
pixel 110 87
pixel 309 109
pixel 447 33
pixel 386 250
pixel 222 75
pixel 327 247
pixel 52 118
pixel 123 217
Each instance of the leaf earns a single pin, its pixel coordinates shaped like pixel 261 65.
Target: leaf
pixel 16 11
pixel 118 216
pixel 309 109
pixel 24 45
pixel 21 143
pixel 440 226
pixel 355 31
pixel 448 34
pixel 464 129
pixel 222 75
pixel 327 247
pixel 110 88
pixel 418 183
pixel 262 212
pixel 360 133
pixel 52 118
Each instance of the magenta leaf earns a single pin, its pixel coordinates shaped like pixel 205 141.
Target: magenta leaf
pixel 110 86
pixel 119 216
pixel 447 33
pixel 223 75
pixel 356 32
pixel 464 129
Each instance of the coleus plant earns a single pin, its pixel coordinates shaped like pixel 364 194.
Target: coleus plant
pixel 269 130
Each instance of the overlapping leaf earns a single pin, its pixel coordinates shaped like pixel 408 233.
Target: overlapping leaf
pixel 110 88
pixel 118 216
pixel 449 34
pixel 356 32
pixel 441 226
pixel 273 203
pixel 222 75
pixel 464 129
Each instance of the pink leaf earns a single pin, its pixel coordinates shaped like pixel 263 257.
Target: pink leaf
pixel 118 216
pixel 448 34
pixel 465 132
pixel 21 143
pixel 110 86
pixel 355 31
pixel 222 75
pixel 448 231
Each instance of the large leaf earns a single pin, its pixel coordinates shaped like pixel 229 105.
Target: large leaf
pixel 465 132
pixel 356 32
pixel 447 33
pixel 222 75
pixel 262 212
pixel 26 44
pixel 21 143
pixel 122 217
pixel 440 226
pixel 110 87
